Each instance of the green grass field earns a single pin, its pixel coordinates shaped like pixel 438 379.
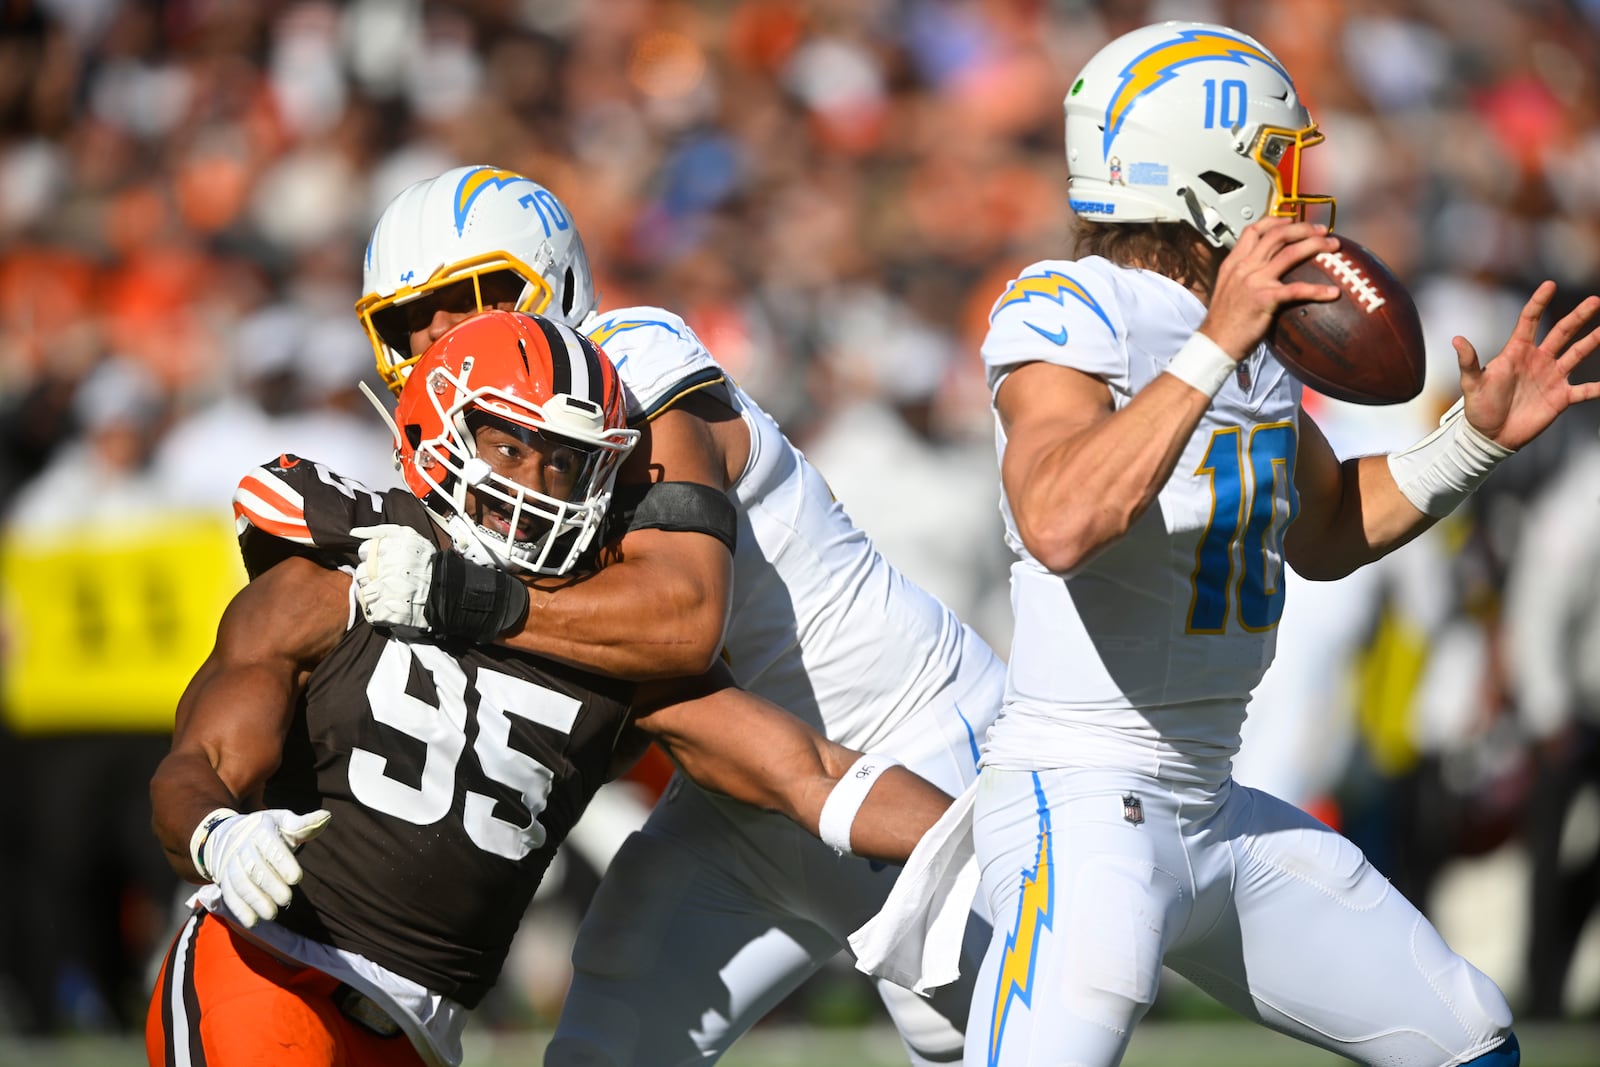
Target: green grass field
pixel 1156 1044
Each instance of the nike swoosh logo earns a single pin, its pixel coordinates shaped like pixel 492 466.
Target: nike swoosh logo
pixel 288 462
pixel 1055 337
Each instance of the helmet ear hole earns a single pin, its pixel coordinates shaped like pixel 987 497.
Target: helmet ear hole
pixel 569 290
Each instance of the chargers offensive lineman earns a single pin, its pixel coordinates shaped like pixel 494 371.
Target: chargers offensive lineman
pixel 1157 471
pixel 426 784
pixel 714 912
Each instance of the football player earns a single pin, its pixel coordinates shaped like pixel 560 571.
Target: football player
pixel 1152 494
pixel 714 912
pixel 371 812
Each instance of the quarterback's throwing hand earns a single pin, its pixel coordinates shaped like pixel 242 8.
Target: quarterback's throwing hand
pixel 251 858
pixel 395 575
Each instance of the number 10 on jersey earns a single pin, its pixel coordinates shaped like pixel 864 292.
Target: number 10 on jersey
pixel 1250 482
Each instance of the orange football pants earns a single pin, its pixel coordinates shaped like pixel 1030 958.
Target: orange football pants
pixel 222 1001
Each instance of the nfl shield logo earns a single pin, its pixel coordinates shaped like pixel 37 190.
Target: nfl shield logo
pixel 1132 808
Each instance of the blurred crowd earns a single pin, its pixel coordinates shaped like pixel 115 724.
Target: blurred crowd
pixel 832 193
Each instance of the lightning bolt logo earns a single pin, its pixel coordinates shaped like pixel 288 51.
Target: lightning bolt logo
pixel 474 182
pixel 1051 285
pixel 972 737
pixel 1158 65
pixel 1035 913
pixel 606 332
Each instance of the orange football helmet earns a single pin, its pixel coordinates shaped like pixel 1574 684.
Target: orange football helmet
pixel 547 385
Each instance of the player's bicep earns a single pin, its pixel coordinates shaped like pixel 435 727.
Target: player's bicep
pixel 1042 405
pixel 686 568
pixel 679 445
pixel 236 709
pixel 1043 408
pixel 680 563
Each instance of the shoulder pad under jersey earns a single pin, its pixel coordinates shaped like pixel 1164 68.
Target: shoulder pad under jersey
pixel 1056 311
pixel 296 507
pixel 657 356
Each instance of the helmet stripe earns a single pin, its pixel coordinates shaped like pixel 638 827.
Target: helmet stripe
pixel 570 370
pixel 591 359
pixel 580 375
pixel 582 380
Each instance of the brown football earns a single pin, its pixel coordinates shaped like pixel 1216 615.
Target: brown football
pixel 1365 347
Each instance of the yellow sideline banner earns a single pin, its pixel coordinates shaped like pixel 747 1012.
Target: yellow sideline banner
pixel 102 630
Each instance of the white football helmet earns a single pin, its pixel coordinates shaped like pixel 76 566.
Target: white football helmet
pixel 464 225
pixel 1187 122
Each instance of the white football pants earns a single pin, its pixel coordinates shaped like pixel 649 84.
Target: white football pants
pixel 1098 877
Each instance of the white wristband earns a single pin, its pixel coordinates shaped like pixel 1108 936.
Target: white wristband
pixel 197 840
pixel 839 810
pixel 1202 364
pixel 1441 470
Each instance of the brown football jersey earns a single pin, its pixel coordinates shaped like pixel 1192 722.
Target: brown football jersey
pixel 452 771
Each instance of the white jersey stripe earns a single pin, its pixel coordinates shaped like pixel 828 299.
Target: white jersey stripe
pixel 180 1003
pixel 291 497
pixel 253 510
pixel 255 504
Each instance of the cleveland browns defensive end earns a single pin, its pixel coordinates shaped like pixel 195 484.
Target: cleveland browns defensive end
pixel 371 810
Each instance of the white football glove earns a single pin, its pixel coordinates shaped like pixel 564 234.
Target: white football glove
pixel 393 579
pixel 251 857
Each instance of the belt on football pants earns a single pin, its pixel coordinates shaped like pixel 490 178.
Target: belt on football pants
pixel 364 1011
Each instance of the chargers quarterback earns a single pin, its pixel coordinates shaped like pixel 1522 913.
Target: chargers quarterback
pixel 1157 471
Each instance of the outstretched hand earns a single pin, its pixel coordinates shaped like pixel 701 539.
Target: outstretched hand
pixel 1517 394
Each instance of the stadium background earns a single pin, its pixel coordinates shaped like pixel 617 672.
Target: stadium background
pixel 831 192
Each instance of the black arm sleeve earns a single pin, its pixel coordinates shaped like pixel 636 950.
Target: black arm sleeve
pixel 681 507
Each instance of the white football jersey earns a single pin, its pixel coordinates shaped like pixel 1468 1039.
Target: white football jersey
pixel 1146 654
pixel 821 624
